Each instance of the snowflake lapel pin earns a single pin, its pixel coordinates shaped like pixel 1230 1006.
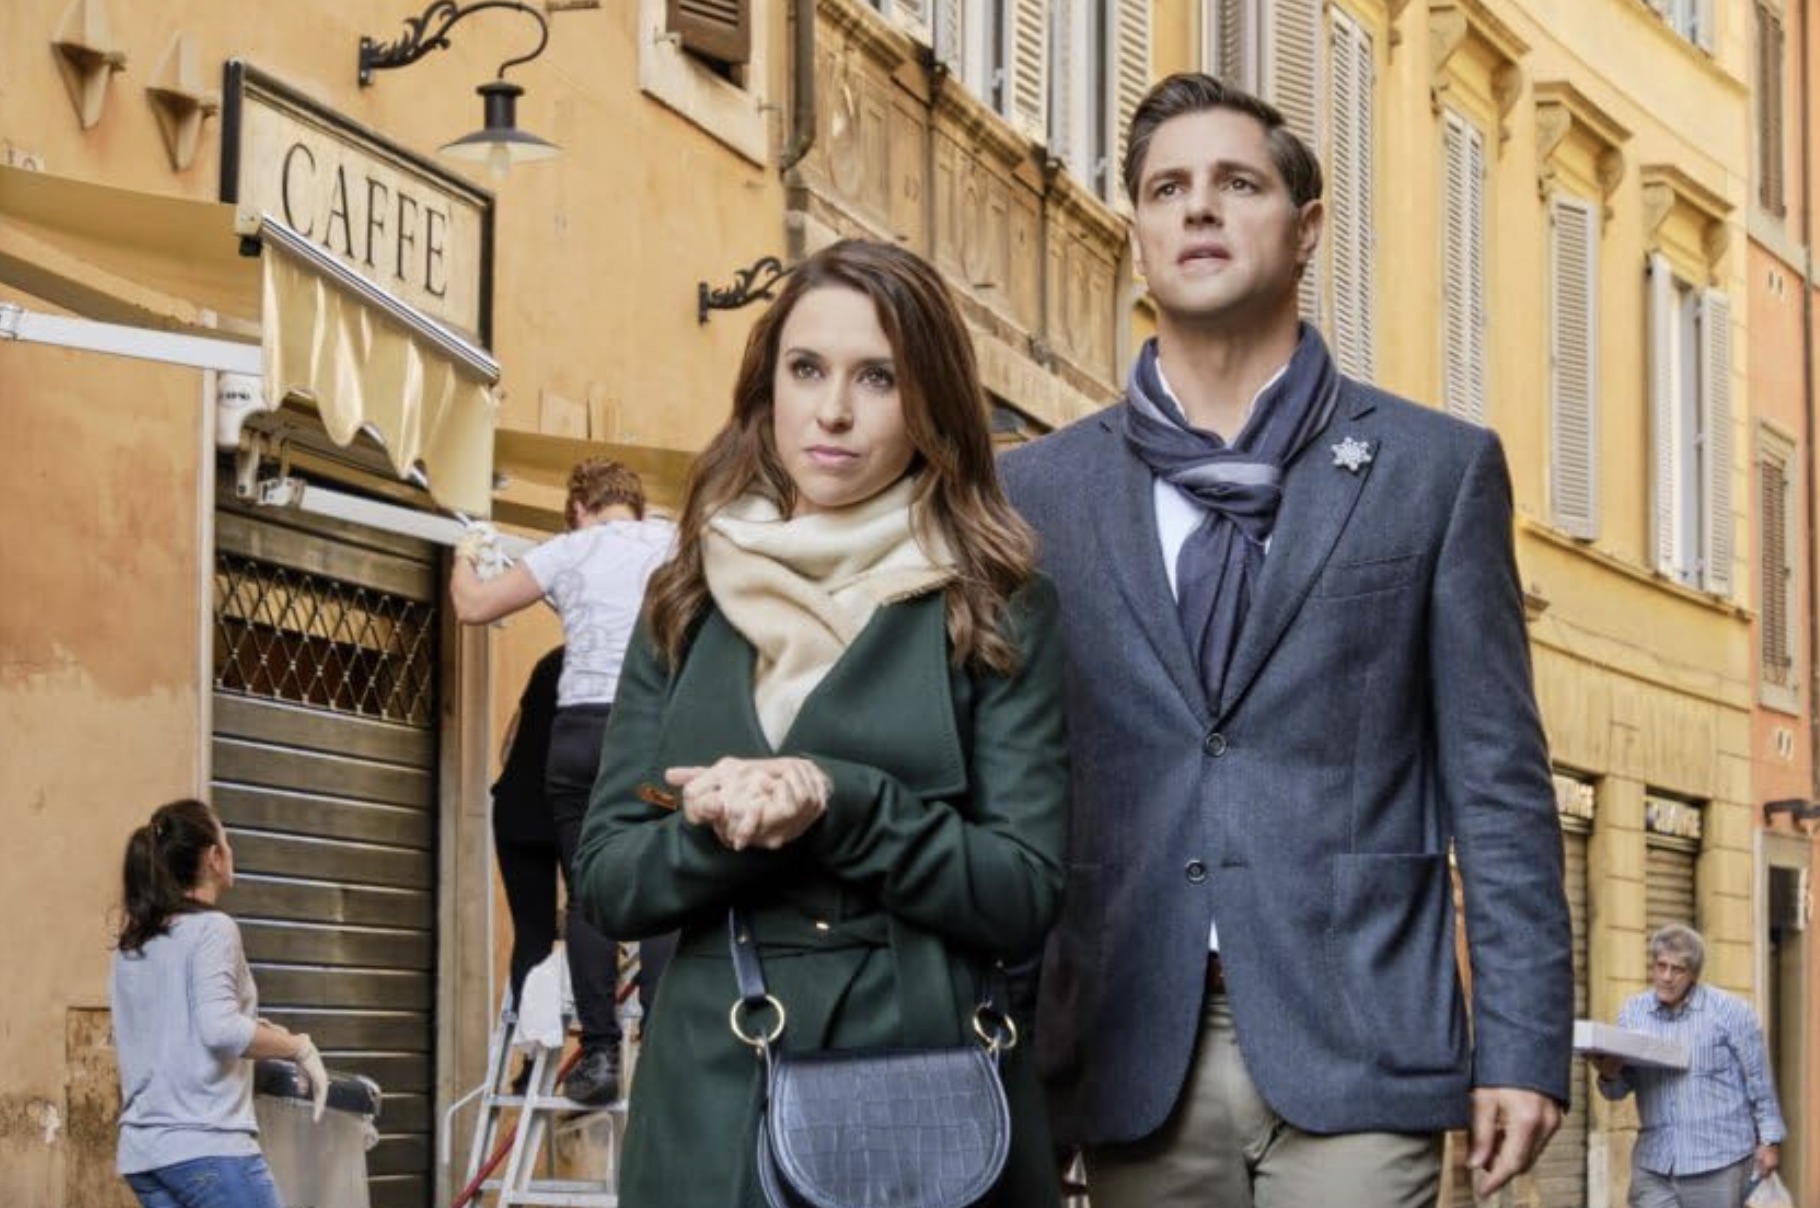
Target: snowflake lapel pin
pixel 1352 454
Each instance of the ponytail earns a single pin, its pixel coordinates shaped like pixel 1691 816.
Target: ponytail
pixel 163 864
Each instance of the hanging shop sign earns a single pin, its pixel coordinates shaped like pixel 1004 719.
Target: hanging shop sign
pixel 417 232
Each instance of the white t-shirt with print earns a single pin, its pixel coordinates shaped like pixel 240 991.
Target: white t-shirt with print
pixel 595 579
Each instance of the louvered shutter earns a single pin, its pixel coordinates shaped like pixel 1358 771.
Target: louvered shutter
pixel 1231 27
pixel 1130 81
pixel 1669 894
pixel 1771 155
pixel 1066 88
pixel 714 29
pixel 951 34
pixel 914 13
pixel 1573 366
pixel 1716 431
pixel 1351 235
pixel 1463 351
pixel 1776 605
pixel 1026 68
pixel 1665 485
pixel 1292 82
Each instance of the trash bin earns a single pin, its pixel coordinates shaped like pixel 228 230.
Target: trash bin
pixel 316 1163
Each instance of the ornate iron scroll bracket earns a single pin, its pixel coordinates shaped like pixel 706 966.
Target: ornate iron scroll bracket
pixel 430 31
pixel 749 285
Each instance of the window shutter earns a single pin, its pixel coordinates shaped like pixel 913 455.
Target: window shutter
pixel 1573 366
pixel 1771 155
pixel 1776 604
pixel 1228 54
pixel 1463 348
pixel 1292 82
pixel 1703 25
pixel 1026 68
pixel 1351 232
pixel 1664 485
pixel 951 34
pixel 1131 80
pixel 720 30
pixel 1065 85
pixel 1716 423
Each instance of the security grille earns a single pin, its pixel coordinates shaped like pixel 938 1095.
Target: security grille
pixel 324 771
pixel 287 634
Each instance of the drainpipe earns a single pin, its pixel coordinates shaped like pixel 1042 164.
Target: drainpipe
pixel 802 85
pixel 1808 462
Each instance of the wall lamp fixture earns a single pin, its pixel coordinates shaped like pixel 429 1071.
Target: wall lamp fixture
pixel 1798 811
pixel 499 143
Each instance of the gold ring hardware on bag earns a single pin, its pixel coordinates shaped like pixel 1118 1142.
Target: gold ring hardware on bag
pixel 758 1040
pixel 995 1028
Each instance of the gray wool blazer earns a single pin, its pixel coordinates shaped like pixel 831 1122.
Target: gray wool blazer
pixel 1379 709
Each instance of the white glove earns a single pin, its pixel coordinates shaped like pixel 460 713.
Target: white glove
pixel 311 1062
pixel 480 545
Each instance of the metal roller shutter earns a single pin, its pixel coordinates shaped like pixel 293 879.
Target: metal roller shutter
pixel 325 775
pixel 1668 882
pixel 1561 1174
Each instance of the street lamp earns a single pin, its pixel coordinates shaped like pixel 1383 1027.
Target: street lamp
pixel 499 143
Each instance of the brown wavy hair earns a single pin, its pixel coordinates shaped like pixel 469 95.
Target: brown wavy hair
pixel 598 483
pixel 957 492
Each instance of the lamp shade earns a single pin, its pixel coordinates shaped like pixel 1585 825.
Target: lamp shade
pixel 500 143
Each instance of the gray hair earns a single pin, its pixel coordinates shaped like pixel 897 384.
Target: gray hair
pixel 1681 941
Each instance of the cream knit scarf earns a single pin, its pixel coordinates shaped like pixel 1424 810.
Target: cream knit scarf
pixel 801 590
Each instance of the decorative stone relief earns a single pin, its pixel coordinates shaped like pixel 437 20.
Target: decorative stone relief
pixel 87 56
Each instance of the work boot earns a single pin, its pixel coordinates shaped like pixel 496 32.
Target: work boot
pixel 594 1082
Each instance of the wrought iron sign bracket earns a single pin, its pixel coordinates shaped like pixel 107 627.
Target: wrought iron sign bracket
pixel 430 31
pixel 749 285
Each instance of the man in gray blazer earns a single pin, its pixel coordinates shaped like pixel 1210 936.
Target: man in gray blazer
pixel 1298 681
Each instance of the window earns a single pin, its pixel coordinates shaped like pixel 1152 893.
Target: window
pixel 1463 335
pixel 699 58
pixel 1100 69
pixel 1777 605
pixel 1351 236
pixel 1771 53
pixel 1690 438
pixel 1673 829
pixel 719 31
pixel 1573 366
pixel 1274 48
pixel 1692 19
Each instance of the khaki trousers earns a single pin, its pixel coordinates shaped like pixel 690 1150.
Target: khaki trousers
pixel 1722 1188
pixel 1224 1148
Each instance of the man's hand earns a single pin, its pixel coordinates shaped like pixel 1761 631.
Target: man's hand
pixel 1609 1067
pixel 1769 1159
pixel 1510 1127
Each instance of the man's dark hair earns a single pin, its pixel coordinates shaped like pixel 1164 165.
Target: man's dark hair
pixel 1195 92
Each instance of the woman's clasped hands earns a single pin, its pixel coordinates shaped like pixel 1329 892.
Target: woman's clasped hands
pixel 763 803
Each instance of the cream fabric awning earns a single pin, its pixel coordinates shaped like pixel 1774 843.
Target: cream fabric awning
pixel 364 360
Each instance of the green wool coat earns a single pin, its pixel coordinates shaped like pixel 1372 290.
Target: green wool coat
pixel 940 854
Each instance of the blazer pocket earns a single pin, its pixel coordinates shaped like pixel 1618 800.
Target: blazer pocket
pixel 1364 578
pixel 1391 944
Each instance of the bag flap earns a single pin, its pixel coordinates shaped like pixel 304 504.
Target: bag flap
pixel 890 1128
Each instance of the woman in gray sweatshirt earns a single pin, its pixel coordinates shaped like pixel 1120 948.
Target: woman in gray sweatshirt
pixel 186 1024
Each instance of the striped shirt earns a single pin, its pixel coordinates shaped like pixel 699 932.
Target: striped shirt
pixel 1717 1111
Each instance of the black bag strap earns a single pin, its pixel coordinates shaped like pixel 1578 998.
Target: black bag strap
pixel 747 969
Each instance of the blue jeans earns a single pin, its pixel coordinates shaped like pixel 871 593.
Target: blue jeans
pixel 208 1183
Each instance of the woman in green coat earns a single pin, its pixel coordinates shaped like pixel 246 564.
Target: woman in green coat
pixel 842 714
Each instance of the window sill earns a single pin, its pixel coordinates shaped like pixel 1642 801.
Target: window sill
pixel 1545 532
pixel 734 116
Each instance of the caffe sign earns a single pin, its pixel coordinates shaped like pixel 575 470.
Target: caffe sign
pixel 414 230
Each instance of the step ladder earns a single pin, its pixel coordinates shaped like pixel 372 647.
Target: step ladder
pixel 524 1173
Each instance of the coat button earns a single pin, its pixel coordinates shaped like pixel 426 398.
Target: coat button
pixel 1215 744
pixel 1197 872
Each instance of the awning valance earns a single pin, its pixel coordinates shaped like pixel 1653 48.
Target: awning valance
pixel 367 362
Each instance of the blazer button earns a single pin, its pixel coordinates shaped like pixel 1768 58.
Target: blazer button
pixel 1215 744
pixel 1197 872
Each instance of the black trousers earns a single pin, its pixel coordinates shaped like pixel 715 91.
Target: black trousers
pixel 530 872
pixel 575 742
